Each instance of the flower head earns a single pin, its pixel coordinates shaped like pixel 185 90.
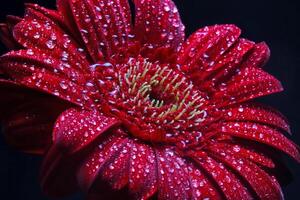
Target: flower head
pixel 133 107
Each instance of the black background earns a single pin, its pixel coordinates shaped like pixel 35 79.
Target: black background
pixel 276 22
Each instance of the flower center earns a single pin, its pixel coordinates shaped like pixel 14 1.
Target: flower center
pixel 155 102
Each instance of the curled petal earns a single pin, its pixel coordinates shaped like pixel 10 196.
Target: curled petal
pixel 225 66
pixel 36 12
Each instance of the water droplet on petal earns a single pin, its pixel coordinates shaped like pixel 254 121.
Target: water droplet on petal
pixel 50 44
pixel 63 85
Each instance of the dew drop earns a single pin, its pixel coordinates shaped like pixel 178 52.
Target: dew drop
pixel 29 52
pixel 63 85
pixel 50 44
pixel 37 36
pixel 167 8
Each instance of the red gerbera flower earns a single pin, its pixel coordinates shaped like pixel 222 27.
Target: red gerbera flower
pixel 137 110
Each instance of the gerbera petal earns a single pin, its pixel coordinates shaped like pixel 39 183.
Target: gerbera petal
pixel 46 37
pixel 6 37
pixel 262 183
pixel 239 150
pixel 158 24
pixel 262 134
pixel 248 84
pixel 172 183
pixel 65 12
pixel 40 72
pixel 116 172
pixel 231 186
pixel 34 11
pixel 38 61
pixel 88 174
pixel 57 175
pixel 143 171
pixel 244 54
pixel 205 46
pixel 256 112
pixel 224 66
pixel 27 117
pixel 77 128
pixel 259 56
pixel 202 187
pixel 104 26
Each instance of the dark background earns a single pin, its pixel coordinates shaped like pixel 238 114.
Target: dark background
pixel 276 22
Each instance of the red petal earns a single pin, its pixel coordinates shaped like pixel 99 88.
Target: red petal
pixel 181 179
pixel 261 182
pixel 142 174
pixel 240 151
pixel 34 11
pixel 262 134
pixel 65 12
pixel 202 187
pixel 29 69
pixel 173 183
pixel 259 56
pixel 27 60
pixel 76 129
pixel 89 173
pixel 231 186
pixel 225 66
pixel 28 117
pixel 255 112
pixel 248 84
pixel 116 171
pixel 46 37
pixel 6 37
pixel 58 173
pixel 204 47
pixel 104 27
pixel 158 24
